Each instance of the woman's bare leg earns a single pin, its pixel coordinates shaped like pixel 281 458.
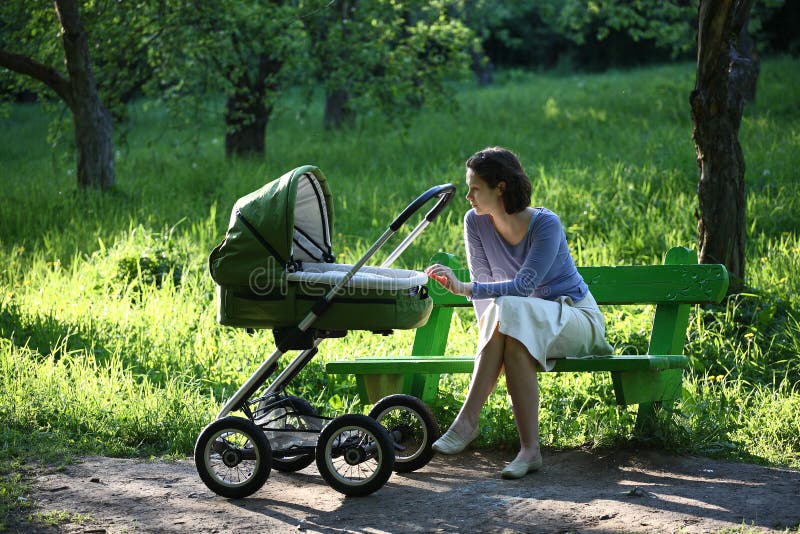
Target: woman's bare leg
pixel 523 387
pixel 488 365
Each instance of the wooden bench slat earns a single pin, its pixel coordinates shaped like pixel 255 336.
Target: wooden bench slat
pixel 655 284
pixel 465 364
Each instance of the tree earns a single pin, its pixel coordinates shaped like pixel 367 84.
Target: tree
pixel 335 32
pixel 77 87
pixel 237 47
pixel 725 77
pixel 386 55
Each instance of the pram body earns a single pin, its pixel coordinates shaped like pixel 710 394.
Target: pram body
pixel 277 261
pixel 275 270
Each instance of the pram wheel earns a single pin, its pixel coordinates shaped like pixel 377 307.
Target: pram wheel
pixel 286 414
pixel 412 427
pixel 233 457
pixel 355 455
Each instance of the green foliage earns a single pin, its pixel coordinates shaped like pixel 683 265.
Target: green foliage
pixel 146 259
pixel 28 30
pixel 13 491
pixel 669 24
pixel 220 47
pixel 594 34
pixel 386 56
pixel 120 41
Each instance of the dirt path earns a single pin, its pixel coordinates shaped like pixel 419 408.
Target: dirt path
pixel 576 491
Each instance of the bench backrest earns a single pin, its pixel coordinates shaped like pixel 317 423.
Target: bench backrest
pixel 672 287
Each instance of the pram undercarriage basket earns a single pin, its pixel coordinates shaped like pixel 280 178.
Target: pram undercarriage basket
pixel 275 269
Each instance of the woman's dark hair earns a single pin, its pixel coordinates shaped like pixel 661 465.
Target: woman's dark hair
pixel 496 164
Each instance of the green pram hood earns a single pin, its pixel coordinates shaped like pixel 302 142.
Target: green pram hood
pixel 287 221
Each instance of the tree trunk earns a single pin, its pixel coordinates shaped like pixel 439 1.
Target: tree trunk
pixel 337 110
pixel 247 110
pixel 246 117
pixel 93 127
pixel 748 66
pixel 723 74
pixel 483 68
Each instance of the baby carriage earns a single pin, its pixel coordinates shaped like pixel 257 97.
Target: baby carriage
pixel 275 269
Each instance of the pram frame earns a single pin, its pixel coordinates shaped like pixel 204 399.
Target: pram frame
pixel 351 438
pixel 238 400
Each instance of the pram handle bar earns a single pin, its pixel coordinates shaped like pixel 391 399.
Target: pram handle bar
pixel 445 193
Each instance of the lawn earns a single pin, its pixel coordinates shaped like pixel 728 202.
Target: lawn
pixel 108 339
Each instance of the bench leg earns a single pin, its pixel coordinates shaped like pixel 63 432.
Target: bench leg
pixel 372 388
pixel 647 417
pixel 652 391
pixel 425 388
pixel 637 387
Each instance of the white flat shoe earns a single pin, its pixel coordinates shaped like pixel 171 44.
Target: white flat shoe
pixel 452 443
pixel 520 468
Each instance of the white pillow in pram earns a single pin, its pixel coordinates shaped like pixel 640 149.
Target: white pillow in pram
pixel 367 277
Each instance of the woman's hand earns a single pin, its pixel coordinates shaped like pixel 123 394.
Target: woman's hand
pixel 446 277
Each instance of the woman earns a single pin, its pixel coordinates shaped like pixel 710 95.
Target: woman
pixel 531 302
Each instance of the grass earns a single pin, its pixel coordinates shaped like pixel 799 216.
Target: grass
pixel 57 517
pixel 108 340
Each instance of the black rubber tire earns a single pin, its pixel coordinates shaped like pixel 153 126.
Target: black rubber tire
pixel 367 450
pixel 293 463
pixel 239 437
pixel 411 423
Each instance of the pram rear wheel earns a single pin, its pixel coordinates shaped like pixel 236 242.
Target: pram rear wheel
pixel 412 427
pixel 355 455
pixel 286 414
pixel 233 457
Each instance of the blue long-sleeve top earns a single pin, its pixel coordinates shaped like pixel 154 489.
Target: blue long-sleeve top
pixel 539 266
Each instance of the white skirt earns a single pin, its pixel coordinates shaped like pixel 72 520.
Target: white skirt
pixel 549 329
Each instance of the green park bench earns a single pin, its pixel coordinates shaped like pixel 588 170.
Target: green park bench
pixel 648 380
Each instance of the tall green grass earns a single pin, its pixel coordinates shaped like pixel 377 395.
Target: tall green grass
pixel 108 340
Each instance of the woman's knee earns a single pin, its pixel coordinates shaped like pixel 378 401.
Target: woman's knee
pixel 514 345
pixel 516 352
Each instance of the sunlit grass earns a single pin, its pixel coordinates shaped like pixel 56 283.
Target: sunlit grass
pixel 108 339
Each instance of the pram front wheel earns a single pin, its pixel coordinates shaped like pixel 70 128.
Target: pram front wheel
pixel 287 414
pixel 412 427
pixel 233 457
pixel 355 455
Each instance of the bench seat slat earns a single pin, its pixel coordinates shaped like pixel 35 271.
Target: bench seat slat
pixel 464 364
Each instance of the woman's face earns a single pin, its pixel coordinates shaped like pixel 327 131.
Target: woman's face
pixel 484 199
